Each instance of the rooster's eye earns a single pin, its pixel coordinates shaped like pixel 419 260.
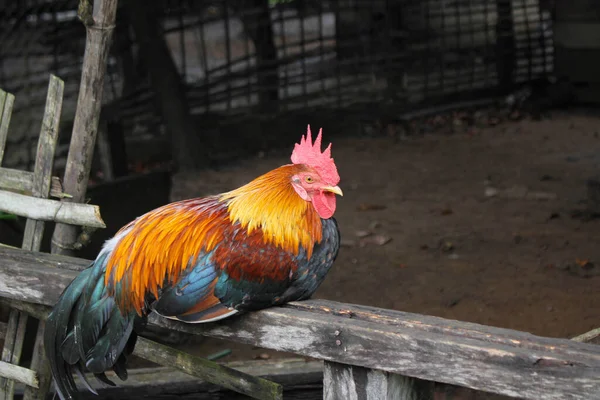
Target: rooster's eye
pixel 309 179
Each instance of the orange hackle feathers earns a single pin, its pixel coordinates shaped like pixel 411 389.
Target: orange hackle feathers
pixel 155 249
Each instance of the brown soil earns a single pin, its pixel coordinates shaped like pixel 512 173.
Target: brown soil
pixel 514 260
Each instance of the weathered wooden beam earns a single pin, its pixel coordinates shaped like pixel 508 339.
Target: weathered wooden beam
pixel 480 357
pixel 349 382
pixel 22 181
pixel 51 210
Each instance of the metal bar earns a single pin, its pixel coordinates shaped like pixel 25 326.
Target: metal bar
pixel 458 33
pixel 488 47
pixel 321 46
pixel 472 56
pixel 284 50
pixel 303 51
pixel 528 40
pixel 181 31
pixel 205 64
pixel 227 50
pixel 249 70
pixel 338 71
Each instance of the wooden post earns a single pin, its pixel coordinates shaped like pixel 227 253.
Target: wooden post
pixel 350 382
pixel 186 143
pixel 99 26
pixel 34 231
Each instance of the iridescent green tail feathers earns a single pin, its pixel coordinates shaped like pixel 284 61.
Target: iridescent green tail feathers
pixel 86 330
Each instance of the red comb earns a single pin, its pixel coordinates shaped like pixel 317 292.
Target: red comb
pixel 310 154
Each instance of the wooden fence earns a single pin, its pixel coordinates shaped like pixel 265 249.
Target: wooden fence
pixel 368 353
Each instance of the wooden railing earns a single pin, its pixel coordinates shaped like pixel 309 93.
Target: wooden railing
pixel 368 353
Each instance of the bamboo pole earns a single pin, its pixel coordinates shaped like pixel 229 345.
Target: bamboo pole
pixel 99 23
pixel 22 182
pixel 51 210
pixel 6 105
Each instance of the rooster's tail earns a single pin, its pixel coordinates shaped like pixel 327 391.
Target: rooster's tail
pixel 87 329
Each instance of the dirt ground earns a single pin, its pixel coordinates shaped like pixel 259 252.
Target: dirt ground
pixel 482 227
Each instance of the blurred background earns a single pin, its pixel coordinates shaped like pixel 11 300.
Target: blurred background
pixel 466 133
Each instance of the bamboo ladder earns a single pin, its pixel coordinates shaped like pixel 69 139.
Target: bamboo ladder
pixel 21 193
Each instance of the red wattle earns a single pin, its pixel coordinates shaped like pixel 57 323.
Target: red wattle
pixel 324 203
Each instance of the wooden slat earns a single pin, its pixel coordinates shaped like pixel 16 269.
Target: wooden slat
pixel 229 378
pixel 14 373
pixel 588 337
pixel 11 351
pixel 22 182
pixel 44 159
pixel 480 357
pixel 41 366
pixel 51 210
pixel 6 105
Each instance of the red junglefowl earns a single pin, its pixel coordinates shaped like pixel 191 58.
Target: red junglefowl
pixel 271 241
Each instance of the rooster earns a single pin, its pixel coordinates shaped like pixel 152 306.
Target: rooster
pixel 266 243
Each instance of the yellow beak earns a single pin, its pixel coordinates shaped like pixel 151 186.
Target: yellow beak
pixel 333 189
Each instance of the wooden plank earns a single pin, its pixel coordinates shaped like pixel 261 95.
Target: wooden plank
pixel 51 210
pixel 19 374
pixel 22 182
pixel 480 357
pixel 210 371
pixel 6 101
pixel 348 382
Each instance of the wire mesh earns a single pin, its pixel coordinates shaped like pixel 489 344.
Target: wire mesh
pixel 273 56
